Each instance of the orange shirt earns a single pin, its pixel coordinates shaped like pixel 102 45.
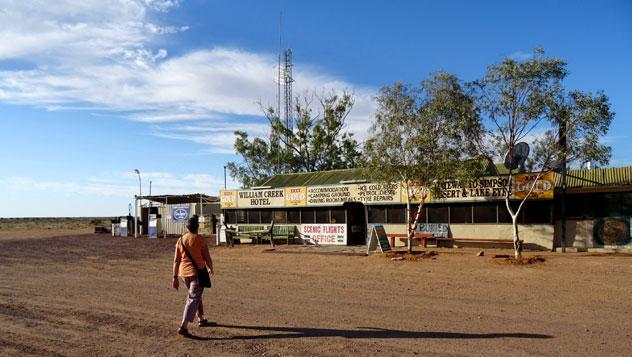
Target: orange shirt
pixel 196 245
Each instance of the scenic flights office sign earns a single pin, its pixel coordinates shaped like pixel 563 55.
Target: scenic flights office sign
pixel 485 188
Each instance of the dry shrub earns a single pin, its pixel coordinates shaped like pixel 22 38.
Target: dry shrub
pixel 522 261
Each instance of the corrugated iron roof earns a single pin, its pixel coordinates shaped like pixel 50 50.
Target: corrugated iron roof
pixel 610 176
pixel 180 199
pixel 318 178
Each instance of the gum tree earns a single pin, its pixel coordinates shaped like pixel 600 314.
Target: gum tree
pixel 422 136
pixel 316 141
pixel 523 98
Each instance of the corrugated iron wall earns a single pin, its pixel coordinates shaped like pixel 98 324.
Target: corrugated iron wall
pixel 172 227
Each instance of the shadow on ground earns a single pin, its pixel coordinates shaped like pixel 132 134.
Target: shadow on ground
pixel 366 332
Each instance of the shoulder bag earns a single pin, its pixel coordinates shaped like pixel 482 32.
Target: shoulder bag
pixel 202 274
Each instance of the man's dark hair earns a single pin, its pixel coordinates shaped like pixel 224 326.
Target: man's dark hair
pixel 193 224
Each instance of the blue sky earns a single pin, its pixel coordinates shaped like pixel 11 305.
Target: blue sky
pixel 91 90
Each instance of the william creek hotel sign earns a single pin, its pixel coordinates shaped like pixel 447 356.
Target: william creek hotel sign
pixel 483 189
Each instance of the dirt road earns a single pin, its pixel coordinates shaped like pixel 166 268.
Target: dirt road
pixel 98 295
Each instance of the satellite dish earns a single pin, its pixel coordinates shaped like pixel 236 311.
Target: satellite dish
pixel 520 154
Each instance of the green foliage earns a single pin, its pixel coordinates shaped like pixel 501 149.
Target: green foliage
pixel 425 134
pixel 258 160
pixel 514 95
pixel 579 120
pixel 525 98
pixel 522 97
pixel 316 142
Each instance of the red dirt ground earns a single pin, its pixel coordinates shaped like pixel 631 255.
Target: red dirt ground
pixel 87 294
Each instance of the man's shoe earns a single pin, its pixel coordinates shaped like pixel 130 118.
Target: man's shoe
pixel 205 323
pixel 184 332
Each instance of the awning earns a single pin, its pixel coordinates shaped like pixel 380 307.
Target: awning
pixel 180 199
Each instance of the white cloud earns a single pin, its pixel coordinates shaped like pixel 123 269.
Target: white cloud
pixel 98 55
pixel 122 185
pixel 162 5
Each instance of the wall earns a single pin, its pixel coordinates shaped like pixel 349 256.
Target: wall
pixel 580 234
pixel 534 234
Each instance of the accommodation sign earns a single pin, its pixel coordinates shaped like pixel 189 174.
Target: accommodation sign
pixel 366 193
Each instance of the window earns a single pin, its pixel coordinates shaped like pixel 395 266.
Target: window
pixel 612 205
pixel 595 205
pixel 254 216
pixel 626 200
pixel 338 215
pixel 266 216
pixel 280 217
pixel 377 214
pixel 575 206
pixel 396 214
pixel 307 215
pixel 485 213
pixel 322 215
pixel 436 214
pixel 241 216
pixel 503 214
pixel 230 216
pixel 294 215
pixel 537 212
pixel 461 213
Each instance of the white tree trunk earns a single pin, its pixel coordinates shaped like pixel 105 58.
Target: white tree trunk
pixel 409 243
pixel 516 237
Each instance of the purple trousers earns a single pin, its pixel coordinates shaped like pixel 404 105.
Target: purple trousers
pixel 194 299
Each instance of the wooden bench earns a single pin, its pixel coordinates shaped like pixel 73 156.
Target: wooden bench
pixel 483 241
pixel 284 231
pixel 258 233
pixel 241 232
pixel 423 238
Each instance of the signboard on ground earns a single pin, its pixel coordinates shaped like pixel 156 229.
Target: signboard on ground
pixel 124 227
pixel 325 233
pixel 180 213
pixel 436 229
pixel 153 226
pixel 378 238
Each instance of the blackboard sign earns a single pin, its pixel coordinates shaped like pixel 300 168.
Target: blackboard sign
pixel 436 229
pixel 378 237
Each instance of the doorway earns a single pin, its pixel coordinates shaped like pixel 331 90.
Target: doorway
pixel 356 223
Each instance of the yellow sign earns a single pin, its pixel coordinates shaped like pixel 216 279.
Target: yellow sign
pixel 295 196
pixel 415 190
pixel 228 199
pixel 543 187
pixel 261 198
pixel 485 188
